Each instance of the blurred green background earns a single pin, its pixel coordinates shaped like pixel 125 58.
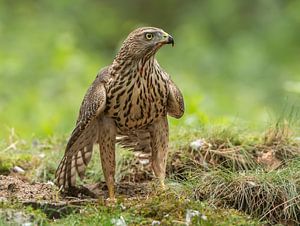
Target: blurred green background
pixel 233 60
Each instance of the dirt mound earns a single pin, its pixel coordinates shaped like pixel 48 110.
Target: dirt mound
pixel 14 188
pixel 46 196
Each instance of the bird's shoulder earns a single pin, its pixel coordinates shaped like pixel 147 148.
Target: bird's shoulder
pixel 97 85
pixel 95 96
pixel 102 76
pixel 162 73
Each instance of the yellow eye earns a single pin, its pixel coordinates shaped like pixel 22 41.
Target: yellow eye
pixel 149 36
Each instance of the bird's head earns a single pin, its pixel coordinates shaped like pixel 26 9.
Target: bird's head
pixel 145 41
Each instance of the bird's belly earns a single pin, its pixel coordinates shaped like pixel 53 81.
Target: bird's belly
pixel 136 116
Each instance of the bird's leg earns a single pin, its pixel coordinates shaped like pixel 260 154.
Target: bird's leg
pixel 159 145
pixel 107 136
pixel 108 167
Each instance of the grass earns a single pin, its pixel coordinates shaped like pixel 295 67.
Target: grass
pixel 272 196
pixel 228 177
pixel 168 208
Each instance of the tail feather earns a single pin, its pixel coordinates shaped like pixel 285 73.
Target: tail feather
pixel 80 164
pixel 136 141
pixel 76 158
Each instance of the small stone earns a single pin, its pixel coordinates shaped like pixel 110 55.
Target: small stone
pixel 297 139
pixel 155 223
pixel 28 224
pixel 144 161
pixel 17 169
pixel 118 221
pixel 204 217
pixel 50 183
pixel 197 144
pixel 42 155
pixel 190 214
pixel 122 206
pixel 253 184
pixel 3 199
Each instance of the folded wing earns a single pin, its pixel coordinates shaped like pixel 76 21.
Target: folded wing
pixel 79 149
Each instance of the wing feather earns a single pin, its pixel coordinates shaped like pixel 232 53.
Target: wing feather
pixel 175 104
pixel 79 148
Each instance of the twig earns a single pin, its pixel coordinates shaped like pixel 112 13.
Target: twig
pixel 11 146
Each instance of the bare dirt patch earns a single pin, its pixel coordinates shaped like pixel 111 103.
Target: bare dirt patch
pixel 15 188
pixel 46 196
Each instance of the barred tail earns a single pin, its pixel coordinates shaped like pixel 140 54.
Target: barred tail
pixel 76 158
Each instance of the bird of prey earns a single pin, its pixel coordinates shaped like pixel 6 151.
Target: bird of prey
pixel 130 98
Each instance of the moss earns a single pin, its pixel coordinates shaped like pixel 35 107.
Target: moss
pixel 168 208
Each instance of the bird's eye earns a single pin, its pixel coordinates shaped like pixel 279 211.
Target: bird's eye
pixel 149 36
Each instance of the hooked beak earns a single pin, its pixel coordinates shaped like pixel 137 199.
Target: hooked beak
pixel 167 39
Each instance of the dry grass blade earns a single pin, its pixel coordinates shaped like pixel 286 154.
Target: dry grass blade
pixel 270 196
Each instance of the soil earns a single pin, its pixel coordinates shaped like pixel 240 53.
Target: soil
pixel 13 187
pixel 16 188
pixel 46 196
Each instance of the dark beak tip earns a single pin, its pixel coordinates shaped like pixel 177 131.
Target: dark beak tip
pixel 171 40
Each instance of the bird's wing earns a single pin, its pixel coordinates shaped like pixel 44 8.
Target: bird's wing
pixel 80 145
pixel 175 104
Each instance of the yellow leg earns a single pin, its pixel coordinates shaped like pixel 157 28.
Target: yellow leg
pixel 106 141
pixel 159 145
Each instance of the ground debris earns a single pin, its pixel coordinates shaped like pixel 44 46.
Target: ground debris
pixel 137 169
pixel 269 160
pixel 127 189
pixel 21 189
pixel 46 196
pixel 209 153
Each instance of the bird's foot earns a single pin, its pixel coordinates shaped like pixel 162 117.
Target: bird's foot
pixel 159 186
pixel 80 192
pixel 162 184
pixel 110 201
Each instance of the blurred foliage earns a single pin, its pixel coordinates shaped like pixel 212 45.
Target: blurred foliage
pixel 232 59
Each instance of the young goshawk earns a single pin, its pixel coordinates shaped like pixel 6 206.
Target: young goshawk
pixel 130 98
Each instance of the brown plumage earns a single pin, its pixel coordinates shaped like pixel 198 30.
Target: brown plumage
pixel 130 98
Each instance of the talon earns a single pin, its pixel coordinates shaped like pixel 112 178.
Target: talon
pixel 110 201
pixel 162 184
